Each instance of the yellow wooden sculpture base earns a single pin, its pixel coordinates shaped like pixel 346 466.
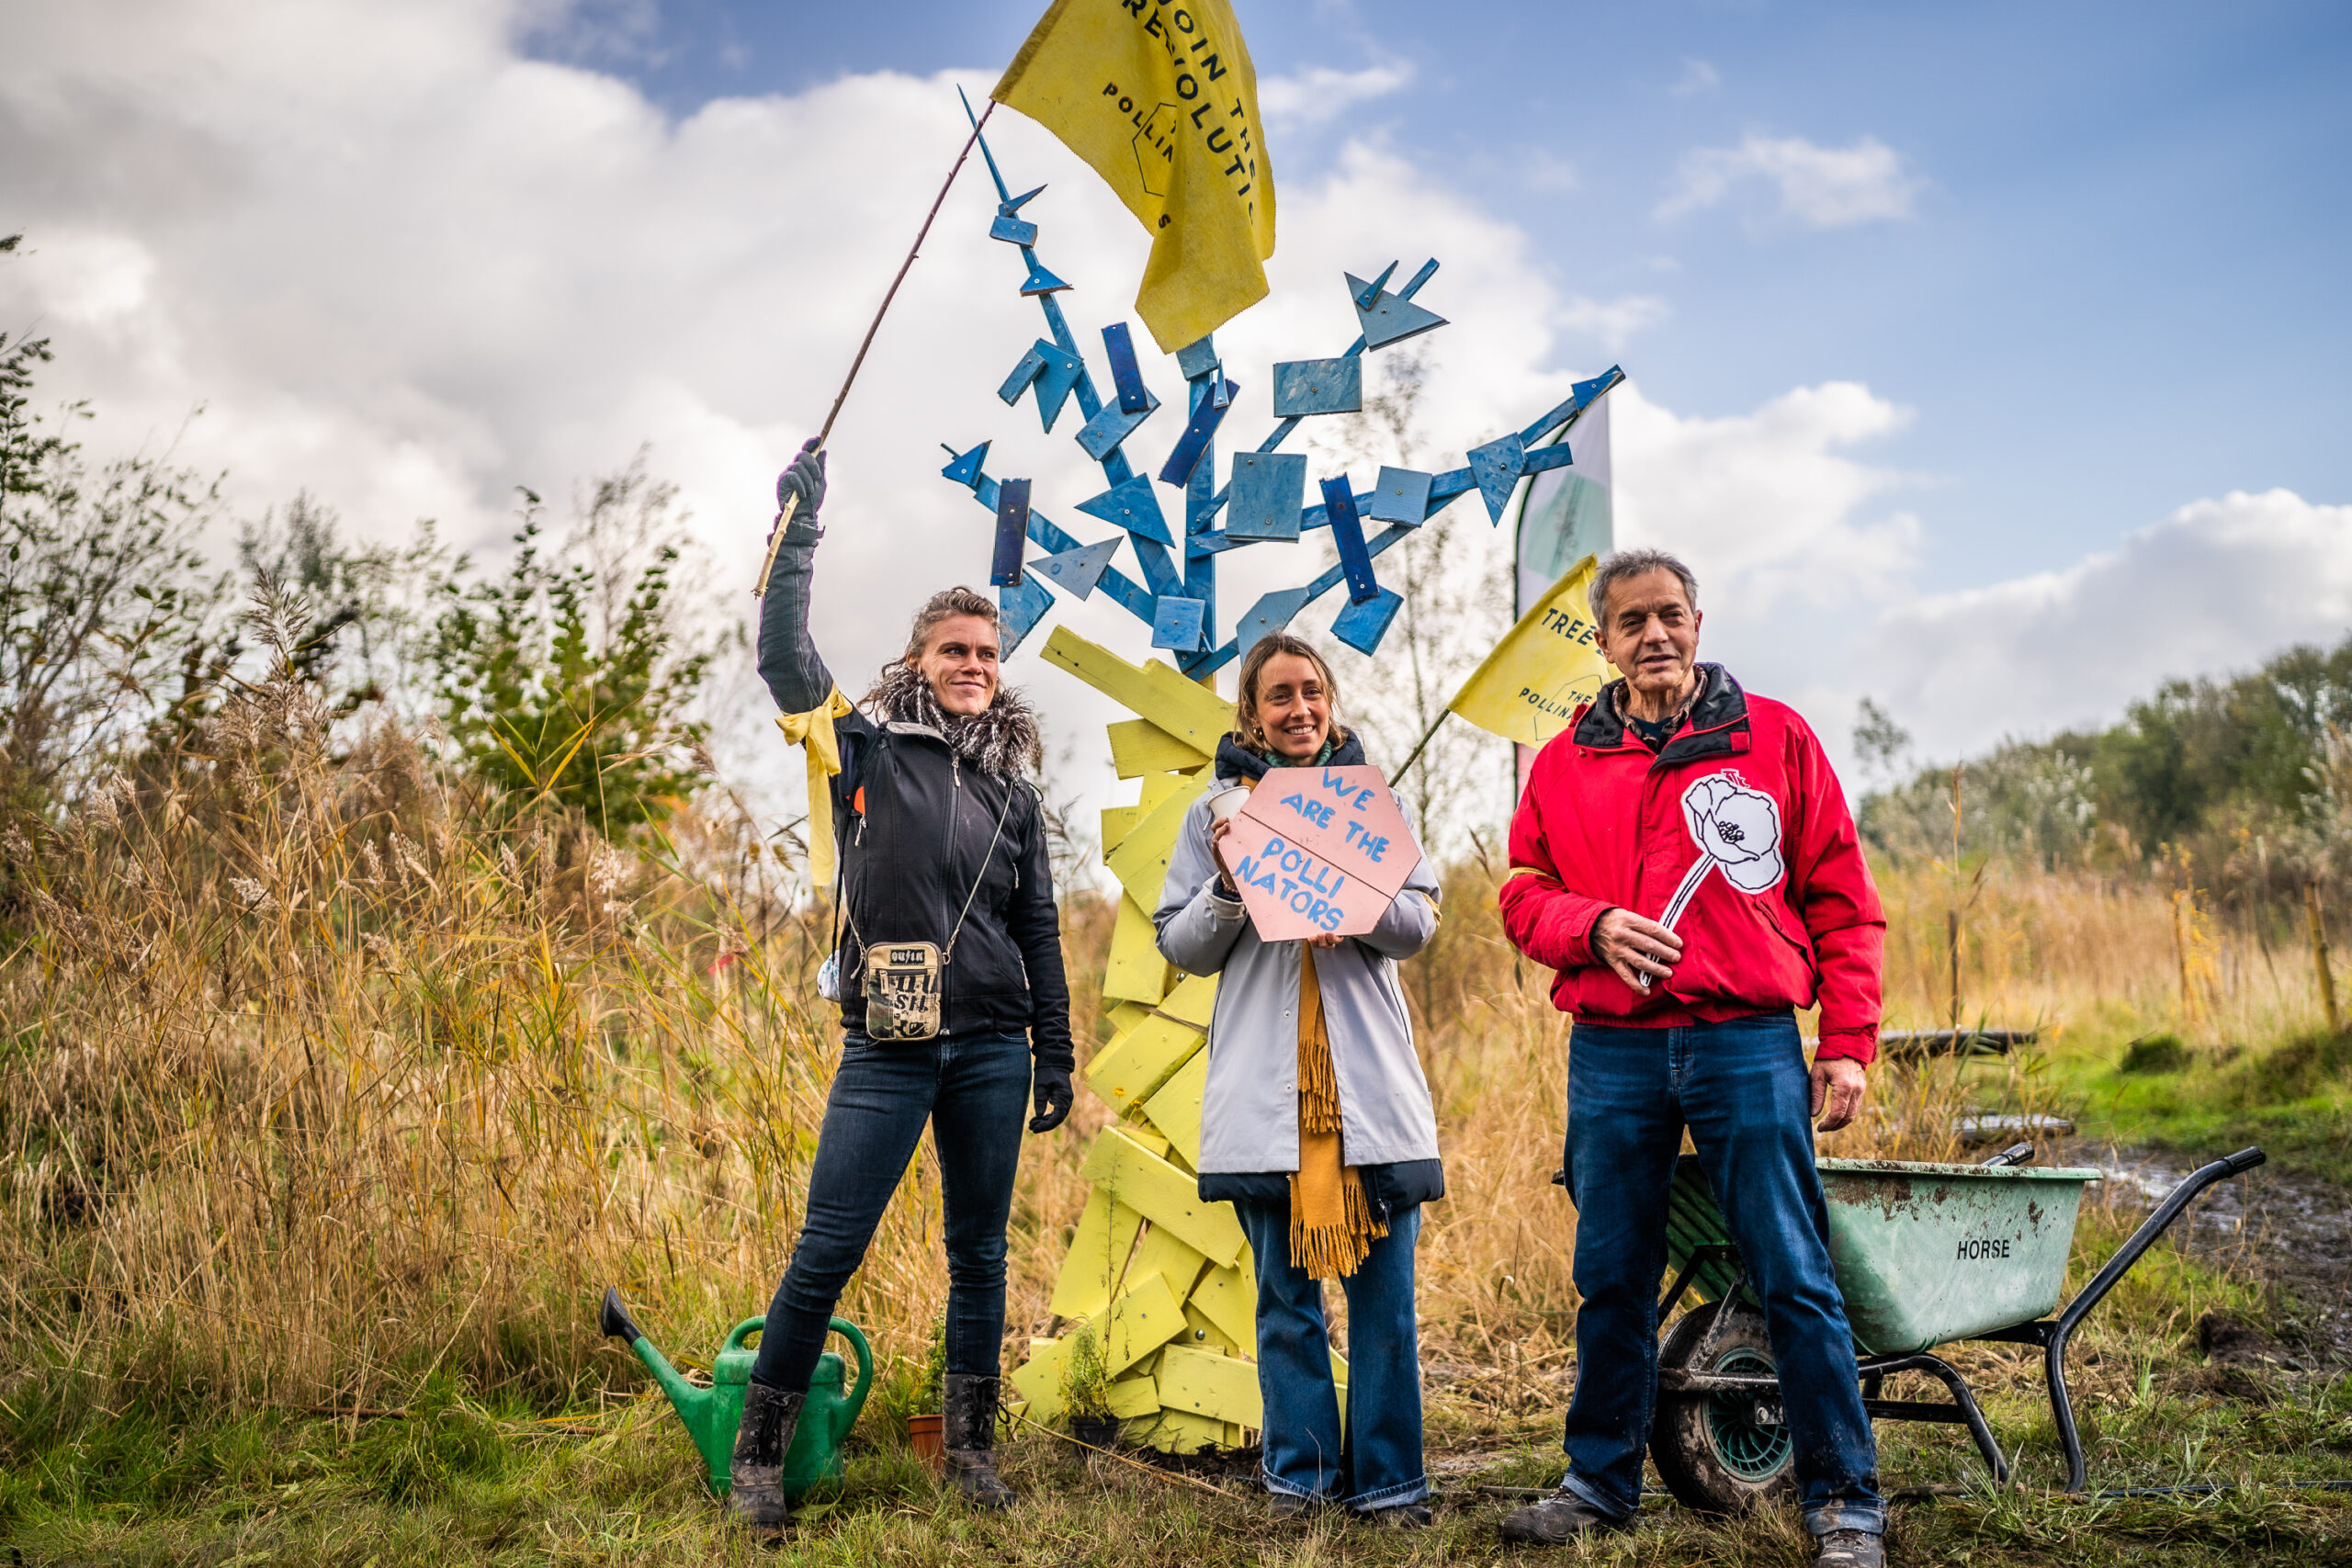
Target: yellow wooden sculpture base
pixel 1164 1281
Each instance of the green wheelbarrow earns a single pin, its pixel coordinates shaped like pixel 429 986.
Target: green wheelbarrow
pixel 1926 1255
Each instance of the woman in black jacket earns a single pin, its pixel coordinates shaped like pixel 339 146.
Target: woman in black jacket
pixel 941 842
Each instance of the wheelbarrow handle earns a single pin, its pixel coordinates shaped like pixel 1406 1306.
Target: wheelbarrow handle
pixel 2053 1340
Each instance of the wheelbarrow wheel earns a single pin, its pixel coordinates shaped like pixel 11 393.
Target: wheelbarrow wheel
pixel 1722 1453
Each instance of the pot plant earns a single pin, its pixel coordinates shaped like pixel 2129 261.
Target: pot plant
pixel 926 1429
pixel 1086 1392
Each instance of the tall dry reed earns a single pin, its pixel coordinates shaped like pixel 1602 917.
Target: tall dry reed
pixel 324 1073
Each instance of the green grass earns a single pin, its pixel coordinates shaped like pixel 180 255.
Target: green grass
pixel 455 1481
pixel 2148 1088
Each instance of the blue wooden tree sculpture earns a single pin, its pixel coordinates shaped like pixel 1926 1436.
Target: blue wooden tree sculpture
pixel 1265 498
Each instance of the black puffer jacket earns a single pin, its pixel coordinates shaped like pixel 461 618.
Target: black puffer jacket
pixel 913 820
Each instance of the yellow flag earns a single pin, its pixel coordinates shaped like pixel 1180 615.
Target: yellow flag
pixel 1161 101
pixel 1532 682
pixel 813 732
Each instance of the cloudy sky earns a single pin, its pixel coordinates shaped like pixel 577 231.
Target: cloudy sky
pixel 1989 361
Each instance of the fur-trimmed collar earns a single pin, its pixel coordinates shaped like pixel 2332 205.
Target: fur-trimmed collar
pixel 1002 738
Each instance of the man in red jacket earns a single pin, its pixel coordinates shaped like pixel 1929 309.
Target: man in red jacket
pixel 1684 859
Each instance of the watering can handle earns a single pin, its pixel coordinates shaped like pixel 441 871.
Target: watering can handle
pixel 741 1332
pixel 849 1331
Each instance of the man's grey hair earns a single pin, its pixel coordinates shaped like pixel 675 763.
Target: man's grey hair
pixel 1616 567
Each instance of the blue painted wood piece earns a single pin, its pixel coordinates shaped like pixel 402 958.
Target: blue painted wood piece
pixel 1013 204
pixel 1582 395
pixel 1449 485
pixel 1401 496
pixel 1428 270
pixel 1012 230
pixel 1126 373
pixel 1206 417
pixel 1197 358
pixel 966 470
pixel 1179 623
pixel 1370 292
pixel 1390 318
pixel 1264 503
pixel 1544 458
pixel 1019 606
pixel 1362 625
pixel 1032 365
pixel 1134 505
pixel 1496 466
pixel 1102 434
pixel 1011 527
pixel 1221 389
pixel 1055 381
pixel 1077 571
pixel 1039 280
pixel 1318 386
pixel 1129 595
pixel 1347 533
pixel 1271 614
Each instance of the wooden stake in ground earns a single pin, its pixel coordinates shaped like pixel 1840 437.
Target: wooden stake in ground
pixel 2319 958
pixel 784 518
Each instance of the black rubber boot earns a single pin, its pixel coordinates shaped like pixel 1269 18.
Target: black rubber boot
pixel 971 1441
pixel 756 1491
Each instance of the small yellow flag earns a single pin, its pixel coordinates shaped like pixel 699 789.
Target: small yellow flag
pixel 1161 100
pixel 1529 685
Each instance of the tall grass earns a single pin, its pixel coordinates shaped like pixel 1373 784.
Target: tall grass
pixel 326 1077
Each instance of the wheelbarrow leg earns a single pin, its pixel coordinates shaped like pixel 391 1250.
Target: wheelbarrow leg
pixel 2062 1407
pixel 1875 1368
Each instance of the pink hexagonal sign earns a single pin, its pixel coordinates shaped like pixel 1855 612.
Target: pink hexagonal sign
pixel 1318 851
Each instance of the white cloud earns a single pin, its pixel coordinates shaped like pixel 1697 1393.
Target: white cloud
pixel 1613 323
pixel 1828 187
pixel 2219 584
pixel 1697 77
pixel 407 269
pixel 1321 94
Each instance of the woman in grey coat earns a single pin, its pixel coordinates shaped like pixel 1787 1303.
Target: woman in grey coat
pixel 1316 1124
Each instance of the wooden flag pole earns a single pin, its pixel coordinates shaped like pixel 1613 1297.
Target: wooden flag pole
pixel 776 538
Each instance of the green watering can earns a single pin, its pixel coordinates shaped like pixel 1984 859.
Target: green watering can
pixel 713 1413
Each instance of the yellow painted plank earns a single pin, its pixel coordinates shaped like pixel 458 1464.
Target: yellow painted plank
pixel 1174 1107
pixel 1181 1432
pixel 1163 1195
pixel 1193 999
pixel 1164 1252
pixel 1191 712
pixel 1126 1071
pixel 1202 1333
pixel 1229 1298
pixel 1118 822
pixel 1157 788
pixel 1131 1328
pixel 1223 1388
pixel 1149 1139
pixel 1124 1016
pixel 1038 1379
pixel 1098 1250
pixel 1136 973
pixel 1140 746
pixel 1132 1397
pixel 1140 863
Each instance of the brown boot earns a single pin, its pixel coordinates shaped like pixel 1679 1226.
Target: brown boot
pixel 755 1475
pixel 1850 1548
pixel 971 1441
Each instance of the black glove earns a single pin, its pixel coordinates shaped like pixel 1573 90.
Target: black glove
pixel 805 479
pixel 1050 1085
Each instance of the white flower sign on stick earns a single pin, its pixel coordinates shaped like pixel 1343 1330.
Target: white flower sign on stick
pixel 1738 829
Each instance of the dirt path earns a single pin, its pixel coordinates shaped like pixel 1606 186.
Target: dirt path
pixel 2292 1229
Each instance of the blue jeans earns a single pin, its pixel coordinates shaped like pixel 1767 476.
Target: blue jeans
pixel 1743 1090
pixel 974 1091
pixel 1378 1465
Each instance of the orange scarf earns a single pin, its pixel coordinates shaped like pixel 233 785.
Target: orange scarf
pixel 1331 1227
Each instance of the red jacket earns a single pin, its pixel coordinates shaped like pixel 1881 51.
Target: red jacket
pixel 1740 816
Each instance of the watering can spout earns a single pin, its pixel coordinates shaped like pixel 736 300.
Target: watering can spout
pixel 689 1401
